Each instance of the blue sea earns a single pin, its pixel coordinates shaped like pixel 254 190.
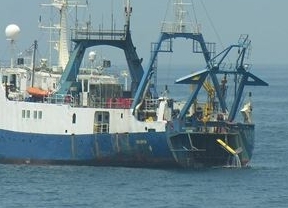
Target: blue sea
pixel 263 184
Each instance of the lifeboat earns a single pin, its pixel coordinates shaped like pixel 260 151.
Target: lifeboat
pixel 37 92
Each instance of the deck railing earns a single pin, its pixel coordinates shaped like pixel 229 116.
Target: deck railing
pixel 86 34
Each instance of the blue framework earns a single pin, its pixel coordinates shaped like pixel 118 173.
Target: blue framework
pixel 212 69
pixel 115 38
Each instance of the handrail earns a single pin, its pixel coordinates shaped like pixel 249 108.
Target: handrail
pixel 98 34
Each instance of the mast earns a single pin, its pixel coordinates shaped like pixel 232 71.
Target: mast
pixel 87 37
pixel 63 45
pixel 128 12
pixel 34 61
pixel 178 28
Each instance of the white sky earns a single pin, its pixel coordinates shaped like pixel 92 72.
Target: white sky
pixel 264 20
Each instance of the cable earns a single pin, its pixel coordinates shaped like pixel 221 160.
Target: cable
pixel 194 12
pixel 211 22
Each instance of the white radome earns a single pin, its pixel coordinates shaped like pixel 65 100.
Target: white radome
pixel 12 31
pixel 92 55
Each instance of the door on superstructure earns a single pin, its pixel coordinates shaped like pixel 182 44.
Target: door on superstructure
pixel 101 122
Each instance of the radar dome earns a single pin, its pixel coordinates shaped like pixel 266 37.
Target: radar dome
pixel 92 55
pixel 12 31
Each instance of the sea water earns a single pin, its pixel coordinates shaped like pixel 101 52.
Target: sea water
pixel 263 184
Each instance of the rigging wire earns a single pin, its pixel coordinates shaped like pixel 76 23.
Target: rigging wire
pixel 194 13
pixel 167 9
pixel 211 23
pixel 229 90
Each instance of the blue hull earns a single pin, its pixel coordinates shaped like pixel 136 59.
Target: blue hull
pixel 148 149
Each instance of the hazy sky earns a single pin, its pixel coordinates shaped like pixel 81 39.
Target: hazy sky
pixel 264 20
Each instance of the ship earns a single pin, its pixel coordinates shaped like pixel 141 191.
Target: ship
pixel 91 119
